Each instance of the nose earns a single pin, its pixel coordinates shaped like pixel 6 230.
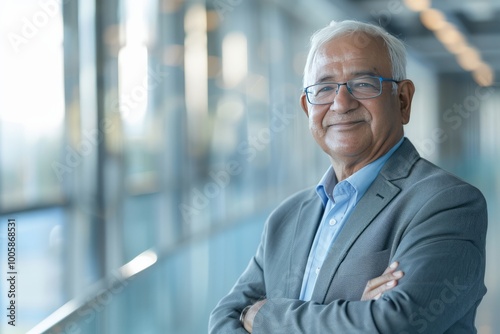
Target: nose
pixel 341 84
pixel 343 101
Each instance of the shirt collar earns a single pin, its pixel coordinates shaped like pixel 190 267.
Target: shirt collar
pixel 360 181
pixel 325 186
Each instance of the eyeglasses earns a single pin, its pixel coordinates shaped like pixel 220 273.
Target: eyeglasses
pixel 366 87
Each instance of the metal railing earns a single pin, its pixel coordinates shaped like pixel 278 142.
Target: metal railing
pixel 71 316
pixel 64 319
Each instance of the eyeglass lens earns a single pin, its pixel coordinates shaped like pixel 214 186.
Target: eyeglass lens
pixel 362 88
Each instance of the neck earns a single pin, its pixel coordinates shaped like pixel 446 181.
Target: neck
pixel 346 165
pixel 343 170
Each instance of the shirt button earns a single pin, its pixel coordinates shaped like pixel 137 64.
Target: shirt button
pixel 317 270
pixel 333 222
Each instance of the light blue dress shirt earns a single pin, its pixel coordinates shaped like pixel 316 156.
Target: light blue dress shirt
pixel 339 200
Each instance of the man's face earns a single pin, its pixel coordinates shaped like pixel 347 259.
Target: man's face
pixel 356 132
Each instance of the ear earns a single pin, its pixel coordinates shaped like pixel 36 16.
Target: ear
pixel 303 104
pixel 406 91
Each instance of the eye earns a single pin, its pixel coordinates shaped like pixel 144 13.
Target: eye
pixel 363 84
pixel 323 89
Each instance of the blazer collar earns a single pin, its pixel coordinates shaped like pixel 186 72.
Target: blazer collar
pixel 400 163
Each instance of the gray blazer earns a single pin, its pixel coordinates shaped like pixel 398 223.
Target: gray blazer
pixel 414 212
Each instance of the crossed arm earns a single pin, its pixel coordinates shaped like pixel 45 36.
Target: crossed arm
pixel 373 290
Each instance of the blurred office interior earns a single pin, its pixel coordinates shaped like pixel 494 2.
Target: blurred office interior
pixel 143 143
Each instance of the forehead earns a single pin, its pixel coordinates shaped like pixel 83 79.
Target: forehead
pixel 349 54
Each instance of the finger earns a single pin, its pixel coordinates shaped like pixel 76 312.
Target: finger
pixel 386 286
pixel 374 287
pixel 391 268
pixel 383 279
pixel 381 284
pixel 377 292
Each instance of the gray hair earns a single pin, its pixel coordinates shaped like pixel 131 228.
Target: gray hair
pixel 395 47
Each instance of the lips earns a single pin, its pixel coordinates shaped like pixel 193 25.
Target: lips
pixel 346 124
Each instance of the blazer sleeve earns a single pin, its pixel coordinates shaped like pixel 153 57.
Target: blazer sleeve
pixel 441 251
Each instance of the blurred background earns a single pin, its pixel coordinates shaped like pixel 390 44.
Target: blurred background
pixel 143 143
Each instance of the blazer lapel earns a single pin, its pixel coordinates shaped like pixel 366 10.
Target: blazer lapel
pixel 305 230
pixel 380 193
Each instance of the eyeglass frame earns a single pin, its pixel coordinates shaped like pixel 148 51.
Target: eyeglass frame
pixel 380 78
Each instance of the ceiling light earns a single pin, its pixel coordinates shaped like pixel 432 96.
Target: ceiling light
pixel 453 40
pixel 417 5
pixel 449 34
pixel 469 59
pixel 432 19
pixel 483 75
pixel 458 47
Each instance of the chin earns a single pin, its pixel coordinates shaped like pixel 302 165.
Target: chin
pixel 346 148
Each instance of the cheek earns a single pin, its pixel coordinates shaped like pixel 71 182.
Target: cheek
pixel 380 116
pixel 316 118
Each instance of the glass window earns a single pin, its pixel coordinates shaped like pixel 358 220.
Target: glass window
pixel 31 103
pixel 31 163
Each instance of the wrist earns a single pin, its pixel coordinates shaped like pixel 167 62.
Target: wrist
pixel 248 315
pixel 243 314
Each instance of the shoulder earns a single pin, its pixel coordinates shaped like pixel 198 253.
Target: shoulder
pixel 424 171
pixel 301 196
pixel 406 167
pixel 431 190
pixel 301 208
pixel 435 180
pixel 293 203
pixel 422 183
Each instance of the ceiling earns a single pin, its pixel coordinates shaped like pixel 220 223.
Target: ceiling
pixel 478 22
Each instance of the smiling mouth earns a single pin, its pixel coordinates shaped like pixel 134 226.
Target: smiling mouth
pixel 343 125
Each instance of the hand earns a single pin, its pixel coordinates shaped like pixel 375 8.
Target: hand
pixel 251 313
pixel 377 286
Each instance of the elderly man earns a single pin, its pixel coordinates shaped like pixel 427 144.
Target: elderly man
pixel 320 265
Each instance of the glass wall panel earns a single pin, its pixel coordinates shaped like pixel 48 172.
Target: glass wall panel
pixel 31 104
pixel 31 161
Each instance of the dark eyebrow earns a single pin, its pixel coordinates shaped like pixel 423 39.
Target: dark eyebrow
pixel 363 73
pixel 326 78
pixel 330 78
